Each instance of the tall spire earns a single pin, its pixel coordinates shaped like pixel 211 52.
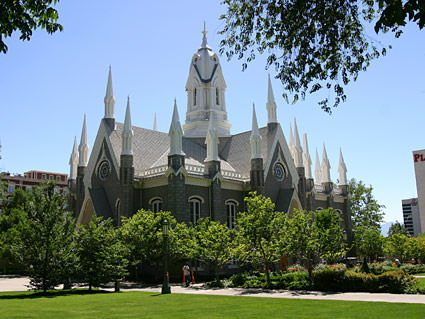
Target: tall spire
pixel 271 104
pixel 342 170
pixel 291 140
pixel 306 157
pixel 326 167
pixel 255 138
pixel 204 38
pixel 298 151
pixel 317 171
pixel 127 132
pixel 175 133
pixel 109 98
pixel 212 141
pixel 73 161
pixel 155 127
pixel 83 148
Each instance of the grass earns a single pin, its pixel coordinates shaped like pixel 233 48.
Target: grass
pixel 80 304
pixel 420 274
pixel 421 283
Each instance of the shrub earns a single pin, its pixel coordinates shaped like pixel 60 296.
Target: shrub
pixel 396 281
pixel 290 281
pixel 413 269
pixel 328 279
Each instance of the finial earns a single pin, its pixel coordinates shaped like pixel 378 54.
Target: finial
pixel 204 38
pixel 155 127
pixel 342 170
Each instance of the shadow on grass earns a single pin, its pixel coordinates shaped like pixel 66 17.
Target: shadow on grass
pixel 50 293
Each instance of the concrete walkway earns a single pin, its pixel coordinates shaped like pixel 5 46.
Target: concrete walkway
pixel 21 284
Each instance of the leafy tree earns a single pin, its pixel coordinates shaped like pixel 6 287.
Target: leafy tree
pixel 45 243
pixel 397 228
pixel 315 44
pixel 12 215
pixel 397 246
pixel 309 236
pixel 212 244
pixel 142 234
pixel 330 235
pixel 368 243
pixel 26 16
pixel 365 210
pixel 258 233
pixel 101 253
pixel 416 247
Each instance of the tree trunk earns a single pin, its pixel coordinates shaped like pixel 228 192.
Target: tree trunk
pixel 267 274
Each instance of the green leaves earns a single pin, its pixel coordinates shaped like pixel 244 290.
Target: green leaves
pixel 26 16
pixel 312 45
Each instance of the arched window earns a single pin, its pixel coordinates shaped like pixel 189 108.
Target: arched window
pixel 194 96
pixel 217 96
pixel 195 209
pixel 156 204
pixel 231 213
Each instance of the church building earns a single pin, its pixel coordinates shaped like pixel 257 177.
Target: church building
pixel 199 169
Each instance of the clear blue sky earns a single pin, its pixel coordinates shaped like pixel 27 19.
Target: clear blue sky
pixel 47 84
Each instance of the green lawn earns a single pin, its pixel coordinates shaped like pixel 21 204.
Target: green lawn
pixel 153 305
pixel 421 283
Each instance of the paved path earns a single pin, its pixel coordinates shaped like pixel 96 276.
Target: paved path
pixel 21 283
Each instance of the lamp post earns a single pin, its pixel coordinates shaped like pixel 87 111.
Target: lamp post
pixel 165 284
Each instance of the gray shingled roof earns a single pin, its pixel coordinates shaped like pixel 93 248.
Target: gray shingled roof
pixel 150 149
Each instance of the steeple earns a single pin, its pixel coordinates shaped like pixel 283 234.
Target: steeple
pixel 271 104
pixel 175 133
pixel 317 171
pixel 291 140
pixel 73 161
pixel 326 167
pixel 212 141
pixel 155 127
pixel 205 88
pixel 83 148
pixel 127 132
pixel 109 98
pixel 342 170
pixel 306 158
pixel 255 138
pixel 298 151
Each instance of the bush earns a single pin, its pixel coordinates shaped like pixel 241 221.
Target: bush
pixel 290 281
pixel 413 269
pixel 328 279
pixel 396 281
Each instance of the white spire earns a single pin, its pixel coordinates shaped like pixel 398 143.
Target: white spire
pixel 255 136
pixel 326 167
pixel 83 148
pixel 155 127
pixel 175 133
pixel 317 171
pixel 212 140
pixel 271 104
pixel 342 170
pixel 306 157
pixel 73 161
pixel 127 132
pixel 298 151
pixel 109 98
pixel 204 38
pixel 291 140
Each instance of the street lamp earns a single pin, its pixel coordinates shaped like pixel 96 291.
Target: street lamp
pixel 165 284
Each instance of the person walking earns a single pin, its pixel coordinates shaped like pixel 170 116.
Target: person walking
pixel 186 275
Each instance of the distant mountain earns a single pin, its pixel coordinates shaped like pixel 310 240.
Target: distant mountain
pixel 385 228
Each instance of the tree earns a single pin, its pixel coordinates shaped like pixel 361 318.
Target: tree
pixel 142 234
pixel 314 44
pixel 258 233
pixel 397 228
pixel 309 236
pixel 416 246
pixel 45 243
pixel 330 235
pixel 212 244
pixel 365 210
pixel 26 16
pixel 101 253
pixel 368 243
pixel 397 246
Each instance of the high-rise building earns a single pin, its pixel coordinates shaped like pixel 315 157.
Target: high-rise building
pixel 411 216
pixel 419 163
